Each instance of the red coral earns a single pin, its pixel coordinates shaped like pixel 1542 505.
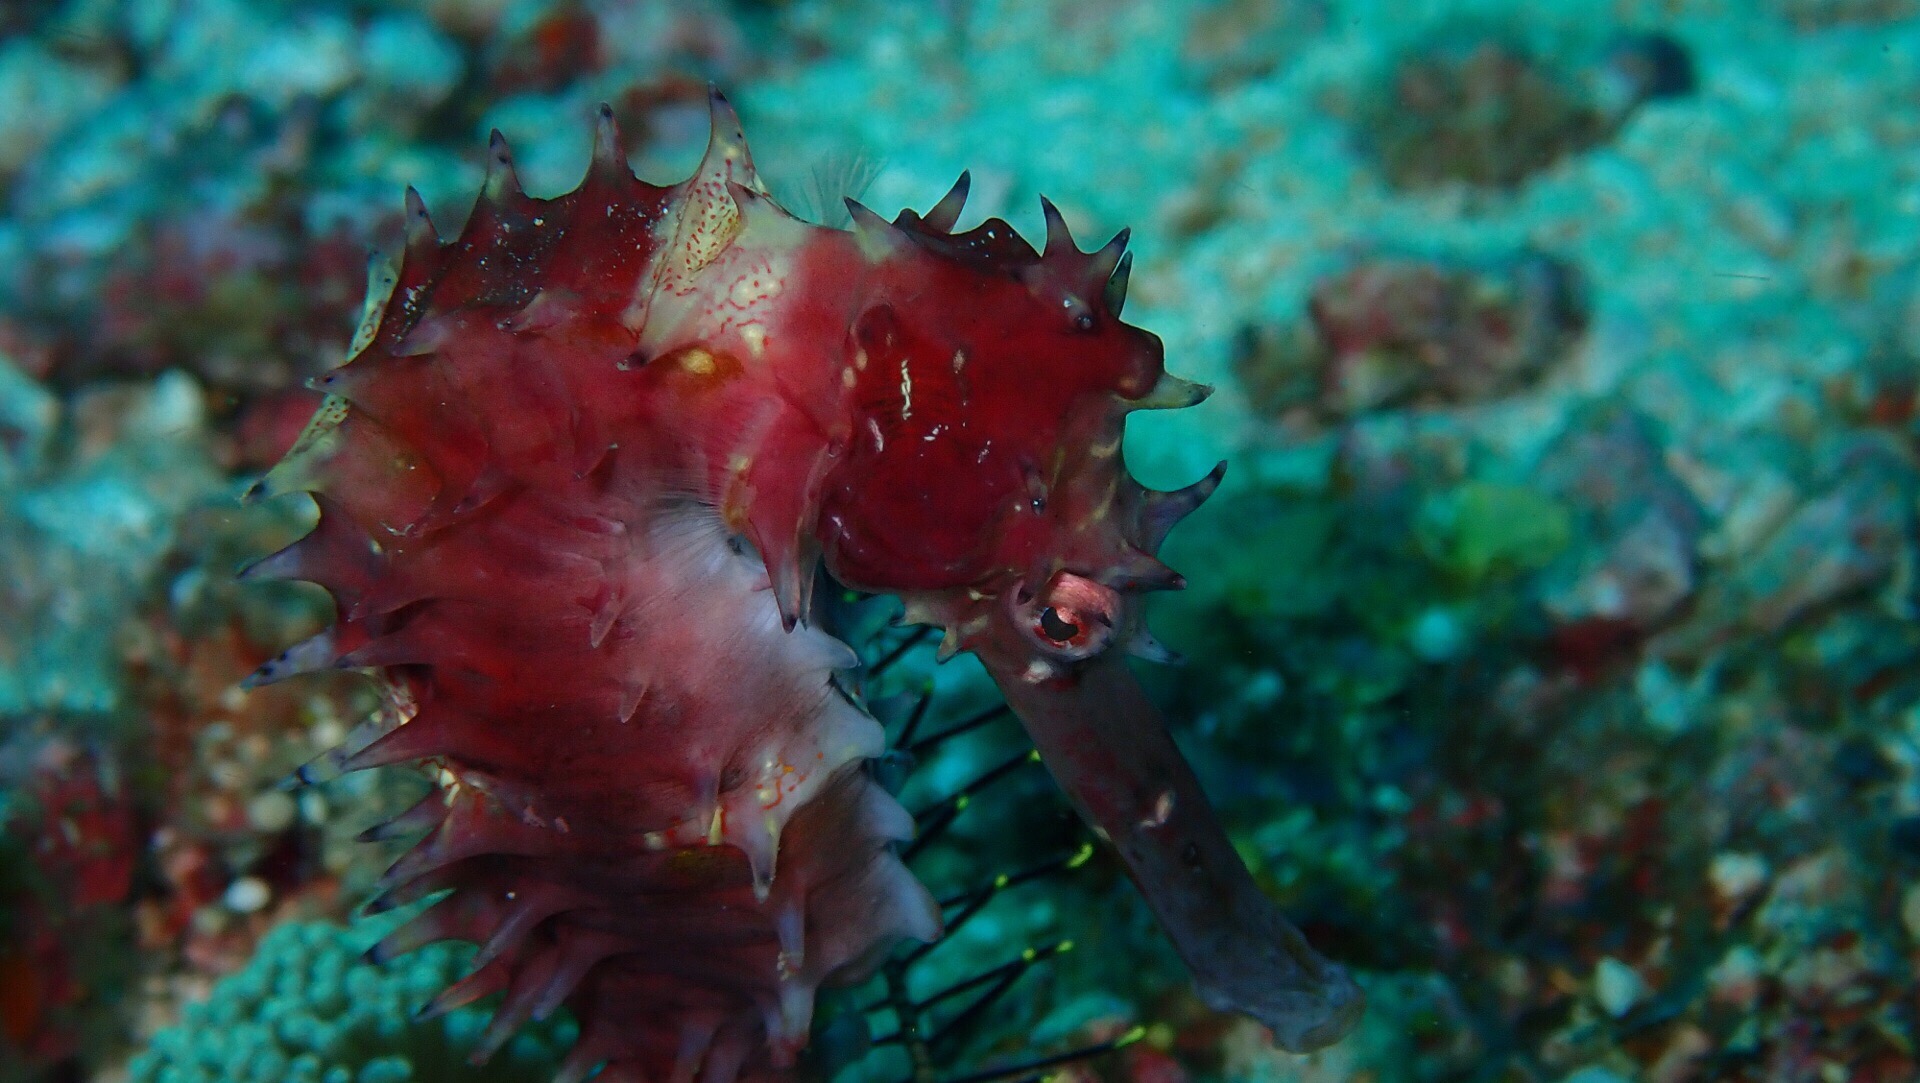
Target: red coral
pixel 80 837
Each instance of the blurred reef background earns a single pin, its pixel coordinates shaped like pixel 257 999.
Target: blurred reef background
pixel 1551 648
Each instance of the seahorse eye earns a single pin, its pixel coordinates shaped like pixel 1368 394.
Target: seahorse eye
pixel 1055 628
pixel 1070 619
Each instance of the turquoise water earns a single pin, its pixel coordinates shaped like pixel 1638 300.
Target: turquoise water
pixel 1551 649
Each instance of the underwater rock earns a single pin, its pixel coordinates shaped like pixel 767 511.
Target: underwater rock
pixel 28 413
pixel 89 506
pixel 70 841
pixel 1640 528
pixel 1395 331
pixel 41 94
pixel 1844 538
pixel 1234 41
pixel 1823 14
pixel 1882 388
pixel 1480 109
pixel 561 45
pixel 245 305
pixel 1644 67
pixel 1617 987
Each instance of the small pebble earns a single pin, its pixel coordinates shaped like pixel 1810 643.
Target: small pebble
pixel 1735 979
pixel 327 733
pixel 211 920
pixel 1617 986
pixel 247 895
pixel 313 807
pixel 1437 636
pixel 272 812
pixel 1736 876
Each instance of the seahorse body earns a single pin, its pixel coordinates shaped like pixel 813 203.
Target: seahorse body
pixel 574 485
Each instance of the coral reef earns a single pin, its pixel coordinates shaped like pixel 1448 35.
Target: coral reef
pixel 1478 107
pixel 1407 332
pixel 308 1008
pixel 68 832
pixel 90 498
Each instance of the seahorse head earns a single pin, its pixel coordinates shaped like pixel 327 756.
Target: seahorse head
pixel 978 473
pixel 982 477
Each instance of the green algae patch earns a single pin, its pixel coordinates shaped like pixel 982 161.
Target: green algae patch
pixel 1485 530
pixel 1277 569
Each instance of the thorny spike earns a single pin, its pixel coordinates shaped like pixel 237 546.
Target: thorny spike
pixel 336 554
pixel 695 1039
pixel 729 141
pixel 1136 570
pixel 607 612
pixel 1116 290
pixel 425 814
pixel 875 235
pixel 1171 393
pixel 1142 645
pixel 743 196
pixel 949 645
pixel 528 910
pixel 415 740
pixel 570 968
pixel 918 611
pixel 867 223
pixel 523 992
pixel 326 766
pixel 444 920
pixel 607 151
pixel 1059 237
pixel 488 979
pixel 420 887
pixel 1161 511
pixel 583 1061
pixel 792 592
pixel 502 180
pixel 381 273
pixel 382 277
pixel 439 850
pixel 631 693
pixel 420 231
pixel 727 1053
pixel 396 648
pixel 946 213
pixel 310 655
pixel 1101 265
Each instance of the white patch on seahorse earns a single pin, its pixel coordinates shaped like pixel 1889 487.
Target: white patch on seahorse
pixel 755 336
pixel 906 391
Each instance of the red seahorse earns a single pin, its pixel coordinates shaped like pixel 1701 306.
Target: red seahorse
pixel 574 485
